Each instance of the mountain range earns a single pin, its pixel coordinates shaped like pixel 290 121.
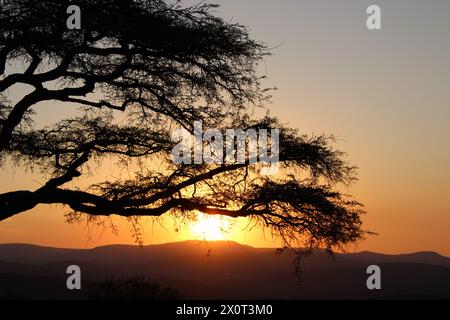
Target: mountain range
pixel 224 270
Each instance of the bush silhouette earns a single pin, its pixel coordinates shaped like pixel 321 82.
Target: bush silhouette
pixel 134 288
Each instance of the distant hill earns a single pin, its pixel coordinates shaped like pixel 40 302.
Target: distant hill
pixel 218 270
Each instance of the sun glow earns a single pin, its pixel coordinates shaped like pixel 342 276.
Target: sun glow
pixel 211 228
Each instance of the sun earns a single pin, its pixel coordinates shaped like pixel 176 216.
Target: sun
pixel 210 228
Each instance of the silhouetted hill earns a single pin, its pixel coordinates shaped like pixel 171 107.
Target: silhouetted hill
pixel 223 269
pixel 418 257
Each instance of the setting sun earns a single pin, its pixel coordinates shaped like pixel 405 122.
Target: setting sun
pixel 211 228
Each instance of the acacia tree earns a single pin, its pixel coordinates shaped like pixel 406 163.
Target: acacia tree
pixel 137 70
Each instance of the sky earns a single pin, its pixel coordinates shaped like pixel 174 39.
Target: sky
pixel 384 93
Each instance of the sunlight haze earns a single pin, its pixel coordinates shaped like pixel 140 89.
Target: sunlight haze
pixel 385 95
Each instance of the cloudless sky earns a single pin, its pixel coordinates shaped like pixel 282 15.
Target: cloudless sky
pixel 385 94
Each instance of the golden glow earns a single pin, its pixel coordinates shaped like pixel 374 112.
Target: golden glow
pixel 211 228
pixel 385 112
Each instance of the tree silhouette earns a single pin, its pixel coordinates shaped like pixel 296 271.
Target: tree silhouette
pixel 138 70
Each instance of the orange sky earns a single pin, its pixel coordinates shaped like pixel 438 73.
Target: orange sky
pixel 384 93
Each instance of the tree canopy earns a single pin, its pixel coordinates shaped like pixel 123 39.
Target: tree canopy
pixel 138 70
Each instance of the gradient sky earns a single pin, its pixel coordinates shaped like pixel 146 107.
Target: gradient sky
pixel 385 94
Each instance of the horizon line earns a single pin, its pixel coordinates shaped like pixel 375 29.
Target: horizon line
pixel 211 242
